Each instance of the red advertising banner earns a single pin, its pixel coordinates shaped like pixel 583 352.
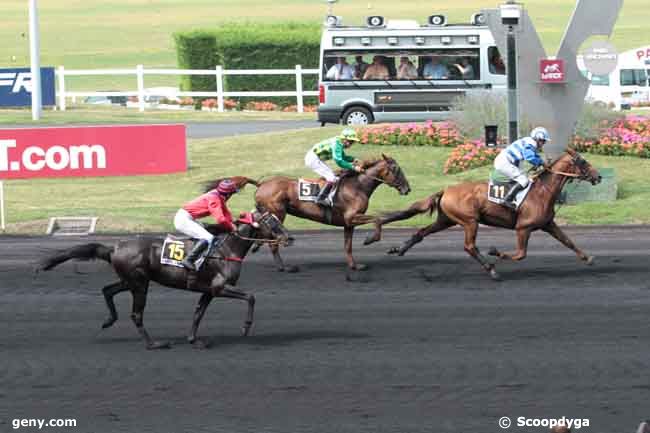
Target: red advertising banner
pixel 92 151
pixel 551 71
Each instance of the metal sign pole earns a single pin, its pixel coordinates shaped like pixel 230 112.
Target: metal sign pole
pixel 2 206
pixel 37 101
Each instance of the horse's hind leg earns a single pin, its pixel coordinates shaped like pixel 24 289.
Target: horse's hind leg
pixel 250 299
pixel 555 231
pixel 416 208
pixel 440 224
pixel 471 229
pixel 109 292
pixel 139 293
pixel 205 300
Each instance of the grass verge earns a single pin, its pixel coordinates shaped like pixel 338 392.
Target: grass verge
pixel 147 203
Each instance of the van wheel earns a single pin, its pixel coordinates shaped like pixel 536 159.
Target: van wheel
pixel 357 116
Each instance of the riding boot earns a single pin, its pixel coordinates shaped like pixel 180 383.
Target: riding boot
pixel 509 199
pixel 190 259
pixel 323 198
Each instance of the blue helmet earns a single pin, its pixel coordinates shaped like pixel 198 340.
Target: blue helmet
pixel 540 133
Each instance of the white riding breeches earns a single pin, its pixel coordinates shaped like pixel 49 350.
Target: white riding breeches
pixel 184 223
pixel 312 161
pixel 503 165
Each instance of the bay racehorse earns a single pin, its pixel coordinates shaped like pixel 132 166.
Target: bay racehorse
pixel 467 205
pixel 279 195
pixel 138 262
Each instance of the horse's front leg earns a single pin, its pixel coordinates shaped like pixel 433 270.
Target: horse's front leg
pixel 348 233
pixel 202 306
pixel 555 231
pixel 250 299
pixel 523 235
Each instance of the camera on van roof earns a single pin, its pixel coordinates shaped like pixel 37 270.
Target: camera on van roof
pixel 375 21
pixel 478 19
pixel 437 20
pixel 333 21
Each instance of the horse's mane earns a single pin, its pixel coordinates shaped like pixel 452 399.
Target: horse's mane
pixel 240 181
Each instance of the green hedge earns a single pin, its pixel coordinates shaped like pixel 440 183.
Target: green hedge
pixel 250 46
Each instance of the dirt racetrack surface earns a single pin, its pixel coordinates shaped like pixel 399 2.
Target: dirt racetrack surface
pixel 420 343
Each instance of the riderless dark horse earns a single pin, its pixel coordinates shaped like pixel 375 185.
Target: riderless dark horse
pixel 137 262
pixel 467 204
pixel 280 196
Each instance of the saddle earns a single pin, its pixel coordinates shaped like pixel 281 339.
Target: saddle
pixel 176 247
pixel 309 189
pixel 498 187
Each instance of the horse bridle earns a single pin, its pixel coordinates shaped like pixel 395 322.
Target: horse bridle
pixel 397 175
pixel 268 219
pixel 579 162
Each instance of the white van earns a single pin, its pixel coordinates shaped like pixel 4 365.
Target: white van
pixel 403 71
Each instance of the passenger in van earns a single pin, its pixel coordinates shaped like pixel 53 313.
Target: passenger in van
pixel 496 64
pixel 341 70
pixel 360 67
pixel 376 71
pixel 406 69
pixel 434 70
pixel 465 68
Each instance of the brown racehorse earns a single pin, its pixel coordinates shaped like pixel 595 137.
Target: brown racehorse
pixel 466 204
pixel 279 195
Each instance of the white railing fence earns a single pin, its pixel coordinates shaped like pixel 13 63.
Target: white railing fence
pixel 218 73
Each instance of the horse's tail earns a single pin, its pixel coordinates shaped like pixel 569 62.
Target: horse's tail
pixel 80 252
pixel 240 181
pixel 433 201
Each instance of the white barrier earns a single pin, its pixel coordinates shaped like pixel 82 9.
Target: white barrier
pixel 218 73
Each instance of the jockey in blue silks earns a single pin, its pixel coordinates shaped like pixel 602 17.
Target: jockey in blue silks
pixel 525 149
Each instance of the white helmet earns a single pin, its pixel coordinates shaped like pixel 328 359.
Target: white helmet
pixel 540 133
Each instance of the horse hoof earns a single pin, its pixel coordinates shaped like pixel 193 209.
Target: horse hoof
pixel 292 269
pixel 245 331
pixel 493 252
pixel 360 267
pixel 108 323
pixel 156 345
pixel 370 240
pixel 590 260
pixel 199 344
pixel 495 275
pixel 393 250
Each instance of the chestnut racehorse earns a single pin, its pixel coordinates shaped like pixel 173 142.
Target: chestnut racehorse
pixel 467 204
pixel 279 195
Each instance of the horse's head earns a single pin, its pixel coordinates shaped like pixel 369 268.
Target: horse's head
pixel 581 168
pixel 267 226
pixel 389 171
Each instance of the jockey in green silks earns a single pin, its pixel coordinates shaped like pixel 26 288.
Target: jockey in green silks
pixel 333 148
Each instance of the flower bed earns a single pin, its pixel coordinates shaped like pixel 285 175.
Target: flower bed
pixel 411 134
pixel 626 137
pixel 468 156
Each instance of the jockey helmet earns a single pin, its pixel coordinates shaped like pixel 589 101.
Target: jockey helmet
pixel 227 187
pixel 540 133
pixel 349 134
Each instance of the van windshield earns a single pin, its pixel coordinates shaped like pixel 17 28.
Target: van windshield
pixel 421 64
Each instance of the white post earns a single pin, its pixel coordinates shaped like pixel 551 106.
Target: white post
pixel 220 88
pixel 299 88
pixel 2 206
pixel 140 73
pixel 62 88
pixel 37 101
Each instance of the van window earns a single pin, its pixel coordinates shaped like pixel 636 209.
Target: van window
pixel 415 64
pixel 495 62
